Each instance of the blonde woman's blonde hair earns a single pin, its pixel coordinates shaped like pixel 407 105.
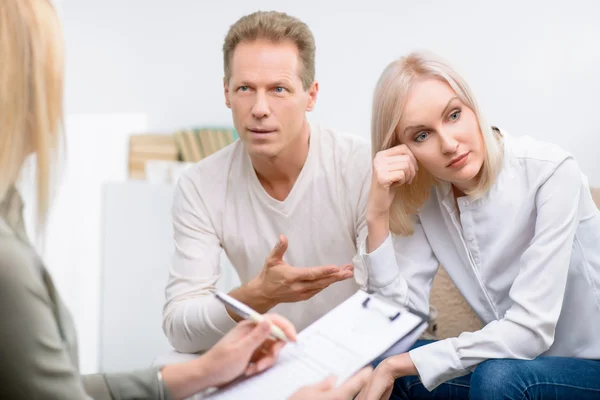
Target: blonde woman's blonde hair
pixel 388 104
pixel 275 27
pixel 31 94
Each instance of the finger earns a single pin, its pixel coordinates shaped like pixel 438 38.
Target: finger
pixel 340 276
pixel 347 267
pixel 266 355
pixel 414 160
pixel 325 384
pixel 309 293
pixel 279 249
pixel 276 348
pixel 264 363
pixel 307 290
pixel 407 166
pixel 313 273
pixel 377 386
pixel 322 283
pixel 264 350
pixel 397 177
pixel 250 369
pixel 388 393
pixel 397 162
pixel 363 394
pixel 404 165
pixel 241 329
pixel 413 168
pixel 267 358
pixel 408 156
pixel 256 337
pixel 396 150
pixel 285 325
pixel 352 386
pixel 343 270
pixel 398 159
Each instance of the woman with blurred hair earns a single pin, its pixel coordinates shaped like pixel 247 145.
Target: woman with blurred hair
pixel 513 222
pixel 38 351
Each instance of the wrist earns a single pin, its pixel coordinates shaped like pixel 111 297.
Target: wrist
pixel 400 365
pixel 186 379
pixel 377 217
pixel 378 229
pixel 201 373
pixel 253 295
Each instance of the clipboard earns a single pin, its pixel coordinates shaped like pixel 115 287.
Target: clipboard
pixel 357 332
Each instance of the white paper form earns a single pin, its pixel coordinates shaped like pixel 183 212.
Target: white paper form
pixel 340 343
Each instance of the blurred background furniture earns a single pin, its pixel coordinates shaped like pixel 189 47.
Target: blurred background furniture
pixel 185 145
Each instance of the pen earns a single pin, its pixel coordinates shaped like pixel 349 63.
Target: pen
pixel 248 313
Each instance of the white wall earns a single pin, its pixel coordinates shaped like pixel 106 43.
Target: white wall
pixel 97 153
pixel 533 65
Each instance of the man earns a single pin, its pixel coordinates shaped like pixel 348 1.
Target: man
pixel 286 182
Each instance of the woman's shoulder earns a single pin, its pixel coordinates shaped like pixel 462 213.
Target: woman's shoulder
pixel 529 149
pixel 18 263
pixel 533 161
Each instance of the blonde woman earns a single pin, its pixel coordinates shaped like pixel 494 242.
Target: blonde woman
pixel 38 351
pixel 513 222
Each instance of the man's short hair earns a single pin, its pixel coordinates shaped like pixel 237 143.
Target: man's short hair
pixel 276 27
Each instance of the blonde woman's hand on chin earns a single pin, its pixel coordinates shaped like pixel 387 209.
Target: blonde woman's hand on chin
pixel 246 350
pixel 391 167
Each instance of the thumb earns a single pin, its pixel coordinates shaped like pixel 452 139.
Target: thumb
pixel 279 249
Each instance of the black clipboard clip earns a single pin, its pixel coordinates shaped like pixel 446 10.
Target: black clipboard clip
pixel 392 318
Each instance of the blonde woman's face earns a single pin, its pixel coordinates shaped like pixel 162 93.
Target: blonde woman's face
pixel 442 133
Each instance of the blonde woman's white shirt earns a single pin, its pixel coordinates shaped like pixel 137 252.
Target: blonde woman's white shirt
pixel 526 256
pixel 220 205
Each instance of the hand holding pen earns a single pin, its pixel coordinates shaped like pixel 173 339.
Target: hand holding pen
pixel 245 312
pixel 247 349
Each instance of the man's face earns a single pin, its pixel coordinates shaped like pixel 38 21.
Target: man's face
pixel 266 97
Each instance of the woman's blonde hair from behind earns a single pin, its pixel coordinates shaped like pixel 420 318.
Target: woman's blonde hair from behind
pixel 31 95
pixel 388 103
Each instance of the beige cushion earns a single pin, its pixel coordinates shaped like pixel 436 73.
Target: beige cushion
pixel 454 315
pixel 596 196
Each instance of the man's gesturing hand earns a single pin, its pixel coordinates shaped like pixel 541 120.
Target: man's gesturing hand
pixel 279 282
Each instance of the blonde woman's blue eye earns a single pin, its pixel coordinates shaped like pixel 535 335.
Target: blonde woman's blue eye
pixel 421 136
pixel 454 116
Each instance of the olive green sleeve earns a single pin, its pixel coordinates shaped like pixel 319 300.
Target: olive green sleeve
pixel 36 363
